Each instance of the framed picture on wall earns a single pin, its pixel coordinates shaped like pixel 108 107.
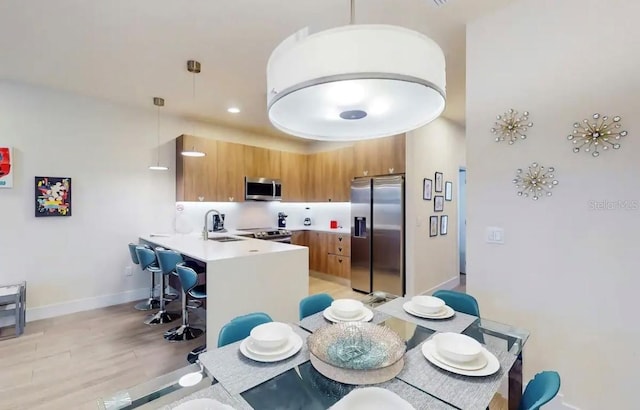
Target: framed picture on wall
pixel 52 196
pixel 433 226
pixel 438 203
pixel 426 189
pixel 438 178
pixel 448 191
pixel 444 224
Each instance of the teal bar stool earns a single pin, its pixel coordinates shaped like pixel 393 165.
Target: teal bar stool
pixel 152 302
pixel 240 327
pixel 540 390
pixel 167 261
pixel 314 303
pixel 148 262
pixel 460 302
pixel 190 288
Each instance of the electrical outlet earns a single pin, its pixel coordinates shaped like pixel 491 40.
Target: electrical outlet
pixel 128 271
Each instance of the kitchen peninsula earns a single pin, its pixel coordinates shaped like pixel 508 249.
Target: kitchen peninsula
pixel 244 275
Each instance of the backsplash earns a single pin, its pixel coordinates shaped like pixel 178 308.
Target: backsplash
pixel 189 216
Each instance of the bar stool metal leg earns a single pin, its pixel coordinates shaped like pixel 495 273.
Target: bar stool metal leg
pixel 184 331
pixel 162 316
pixel 151 303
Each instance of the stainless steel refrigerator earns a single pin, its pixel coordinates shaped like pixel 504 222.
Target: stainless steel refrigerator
pixel 377 234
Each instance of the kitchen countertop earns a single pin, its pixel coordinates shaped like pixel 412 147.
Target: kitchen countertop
pixel 316 228
pixel 194 246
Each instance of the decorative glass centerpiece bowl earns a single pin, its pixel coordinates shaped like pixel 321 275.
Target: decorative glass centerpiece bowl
pixel 357 352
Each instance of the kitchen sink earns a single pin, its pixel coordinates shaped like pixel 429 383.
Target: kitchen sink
pixel 225 239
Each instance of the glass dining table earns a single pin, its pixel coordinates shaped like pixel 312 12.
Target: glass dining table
pixel 294 383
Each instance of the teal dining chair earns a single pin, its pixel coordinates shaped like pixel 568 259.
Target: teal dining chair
pixel 460 302
pixel 314 303
pixel 240 327
pixel 540 390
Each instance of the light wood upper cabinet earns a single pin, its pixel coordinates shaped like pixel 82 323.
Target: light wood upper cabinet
pixel 380 156
pixel 315 185
pixel 293 173
pixel 342 175
pixel 196 177
pixel 261 162
pixel 230 165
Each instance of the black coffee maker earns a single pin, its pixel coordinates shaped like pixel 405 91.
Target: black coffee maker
pixel 282 220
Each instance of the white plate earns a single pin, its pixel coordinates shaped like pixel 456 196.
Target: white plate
pixel 493 365
pixel 251 347
pixel 203 404
pixel 295 344
pixel 446 314
pixel 476 364
pixel 372 398
pixel 367 315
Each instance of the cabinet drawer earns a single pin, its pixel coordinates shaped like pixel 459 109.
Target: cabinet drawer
pixel 339 266
pixel 340 240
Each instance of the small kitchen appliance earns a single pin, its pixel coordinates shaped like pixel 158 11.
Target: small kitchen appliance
pixel 282 220
pixel 218 222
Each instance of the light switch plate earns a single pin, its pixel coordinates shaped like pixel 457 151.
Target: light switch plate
pixel 495 235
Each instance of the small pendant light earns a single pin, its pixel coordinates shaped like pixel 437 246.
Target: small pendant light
pixel 158 102
pixel 194 68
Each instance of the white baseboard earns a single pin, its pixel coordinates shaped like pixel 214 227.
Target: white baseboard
pixel 558 403
pixel 448 284
pixel 79 305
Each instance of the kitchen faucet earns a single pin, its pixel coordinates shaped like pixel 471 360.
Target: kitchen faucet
pixel 205 230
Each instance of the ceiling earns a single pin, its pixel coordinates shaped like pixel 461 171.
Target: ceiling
pixel 129 51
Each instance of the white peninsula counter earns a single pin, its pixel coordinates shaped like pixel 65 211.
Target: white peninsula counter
pixel 249 275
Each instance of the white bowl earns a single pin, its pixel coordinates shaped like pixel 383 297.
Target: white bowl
pixel 270 336
pixel 346 308
pixel 427 304
pixel 457 347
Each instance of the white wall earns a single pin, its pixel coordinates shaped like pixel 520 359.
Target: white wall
pixel 567 272
pixel 105 148
pixel 432 261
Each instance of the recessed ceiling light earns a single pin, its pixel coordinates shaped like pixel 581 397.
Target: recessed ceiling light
pixel 233 110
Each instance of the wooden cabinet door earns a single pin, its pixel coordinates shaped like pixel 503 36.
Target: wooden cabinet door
pixel 340 244
pixel 230 163
pixel 293 173
pixel 393 160
pixel 380 156
pixel 340 266
pixel 315 180
pixel 343 174
pixel 261 162
pixel 318 251
pixel 299 238
pixel 366 158
pixel 196 177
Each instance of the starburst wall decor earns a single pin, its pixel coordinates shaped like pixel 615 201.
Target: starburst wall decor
pixel 601 133
pixel 535 182
pixel 511 125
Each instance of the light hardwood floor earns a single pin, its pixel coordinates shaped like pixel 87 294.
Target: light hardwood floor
pixel 69 361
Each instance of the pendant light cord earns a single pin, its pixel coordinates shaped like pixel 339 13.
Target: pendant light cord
pixel 193 95
pixel 158 134
pixel 352 19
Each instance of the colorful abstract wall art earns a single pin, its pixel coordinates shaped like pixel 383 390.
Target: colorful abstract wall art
pixel 6 175
pixel 53 196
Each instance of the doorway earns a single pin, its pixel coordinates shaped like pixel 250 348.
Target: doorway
pixel 462 220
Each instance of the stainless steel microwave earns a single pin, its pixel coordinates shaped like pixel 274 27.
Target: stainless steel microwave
pixel 262 189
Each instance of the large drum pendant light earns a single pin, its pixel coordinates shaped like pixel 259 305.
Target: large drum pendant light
pixel 355 82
